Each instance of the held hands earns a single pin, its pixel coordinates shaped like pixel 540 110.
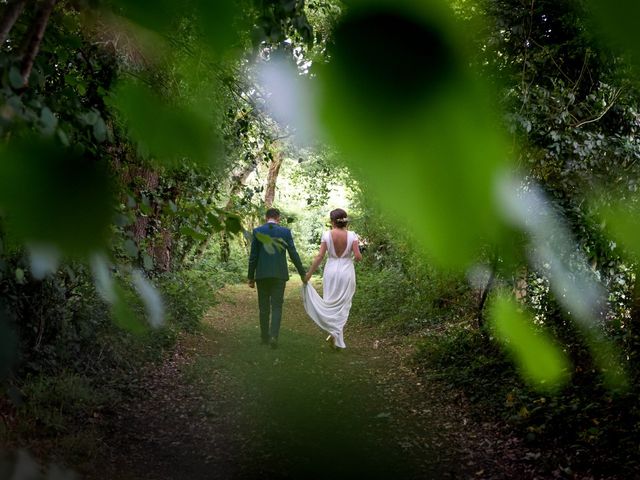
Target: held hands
pixel 306 278
pixel 251 283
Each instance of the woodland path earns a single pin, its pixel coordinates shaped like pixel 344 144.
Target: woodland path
pixel 223 406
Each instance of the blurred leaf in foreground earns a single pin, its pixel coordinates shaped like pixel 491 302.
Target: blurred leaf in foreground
pixel 168 132
pixel 623 222
pixel 618 21
pixel 541 361
pixel 219 22
pixel 150 297
pixel 44 260
pixel 271 243
pixel 123 303
pixel 156 15
pixel 399 101
pixel 554 253
pixel 53 196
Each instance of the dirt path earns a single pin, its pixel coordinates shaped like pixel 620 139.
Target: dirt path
pixel 224 406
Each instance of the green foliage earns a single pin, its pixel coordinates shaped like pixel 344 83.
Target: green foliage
pixel 582 421
pixel 33 177
pixel 431 121
pixel 218 23
pixel 617 24
pixel 271 244
pixel 622 223
pixel 137 171
pixel 382 294
pixel 51 401
pixel 541 361
pixel 465 357
pixel 397 287
pixel 189 295
pixel 168 132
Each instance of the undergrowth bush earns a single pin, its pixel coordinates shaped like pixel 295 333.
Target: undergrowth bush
pixel 74 364
pixel 51 402
pixel 584 420
pixel 399 288
pixel 188 295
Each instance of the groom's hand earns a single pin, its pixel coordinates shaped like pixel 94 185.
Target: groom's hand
pixel 251 283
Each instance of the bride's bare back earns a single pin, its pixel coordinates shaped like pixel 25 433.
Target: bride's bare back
pixel 339 239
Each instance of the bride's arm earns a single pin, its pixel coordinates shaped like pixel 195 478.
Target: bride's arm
pixel 356 250
pixel 317 260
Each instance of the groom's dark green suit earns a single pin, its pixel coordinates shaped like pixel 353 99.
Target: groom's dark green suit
pixel 268 267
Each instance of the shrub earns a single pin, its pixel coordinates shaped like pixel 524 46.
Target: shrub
pixel 188 295
pixel 51 402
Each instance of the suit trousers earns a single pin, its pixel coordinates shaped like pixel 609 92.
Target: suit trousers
pixel 270 299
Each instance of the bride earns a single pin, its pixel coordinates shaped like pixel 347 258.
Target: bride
pixel 339 279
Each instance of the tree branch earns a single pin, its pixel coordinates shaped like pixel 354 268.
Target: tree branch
pixel 35 37
pixel 272 178
pixel 9 17
pixel 604 112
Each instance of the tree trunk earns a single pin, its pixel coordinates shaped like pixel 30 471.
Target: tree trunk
pixel 34 39
pixel 272 178
pixel 484 294
pixel 225 248
pixel 9 17
pixel 483 298
pixel 239 180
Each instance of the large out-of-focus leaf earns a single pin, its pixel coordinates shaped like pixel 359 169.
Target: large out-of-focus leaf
pixel 541 361
pixel 123 313
pixel 623 222
pixel 102 279
pixel 553 251
pixel 400 103
pixel 219 21
pixel 169 133
pixel 150 297
pixel 619 21
pixel 289 97
pixel 123 304
pixel 44 260
pixel 158 15
pixel 53 196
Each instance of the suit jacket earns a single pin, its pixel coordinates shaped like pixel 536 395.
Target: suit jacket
pixel 268 258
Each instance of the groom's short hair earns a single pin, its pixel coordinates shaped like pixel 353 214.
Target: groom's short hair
pixel 273 213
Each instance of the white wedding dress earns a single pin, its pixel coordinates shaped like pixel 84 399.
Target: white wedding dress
pixel 338 284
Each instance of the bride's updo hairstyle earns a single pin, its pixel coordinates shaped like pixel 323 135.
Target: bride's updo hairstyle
pixel 339 218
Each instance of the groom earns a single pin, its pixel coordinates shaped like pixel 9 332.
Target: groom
pixel 268 269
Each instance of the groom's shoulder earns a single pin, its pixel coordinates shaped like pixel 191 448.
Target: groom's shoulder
pixel 282 230
pixel 271 227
